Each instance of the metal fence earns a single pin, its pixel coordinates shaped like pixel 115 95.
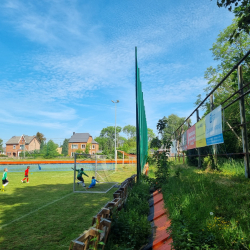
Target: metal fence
pixel 235 117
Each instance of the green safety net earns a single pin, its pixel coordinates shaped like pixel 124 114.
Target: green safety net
pixel 141 123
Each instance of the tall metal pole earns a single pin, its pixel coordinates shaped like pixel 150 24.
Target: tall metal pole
pixel 115 140
pixel 115 135
pixel 198 149
pixel 214 146
pixel 243 122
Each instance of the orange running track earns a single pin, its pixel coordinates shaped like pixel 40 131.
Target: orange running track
pixel 161 239
pixel 61 162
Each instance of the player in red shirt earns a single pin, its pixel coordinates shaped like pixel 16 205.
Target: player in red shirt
pixel 26 174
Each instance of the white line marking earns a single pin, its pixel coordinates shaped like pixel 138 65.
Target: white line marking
pixel 35 210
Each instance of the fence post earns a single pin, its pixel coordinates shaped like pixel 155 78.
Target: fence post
pixel 214 146
pixel 243 122
pixel 198 149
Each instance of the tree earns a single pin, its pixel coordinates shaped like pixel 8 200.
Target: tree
pixel 1 144
pixel 241 9
pixel 227 54
pixel 88 147
pixel 130 131
pixel 108 134
pixel 40 137
pixel 172 122
pixel 65 147
pixel 50 150
pixel 151 134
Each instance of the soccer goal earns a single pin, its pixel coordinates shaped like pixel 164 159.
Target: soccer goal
pixel 95 167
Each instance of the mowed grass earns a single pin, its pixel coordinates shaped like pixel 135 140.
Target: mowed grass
pixel 45 213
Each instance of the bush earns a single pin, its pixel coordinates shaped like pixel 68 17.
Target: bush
pixel 130 228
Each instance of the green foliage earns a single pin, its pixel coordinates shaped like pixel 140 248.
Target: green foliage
pixel 65 147
pixel 42 145
pixel 208 210
pixel 49 150
pixel 161 158
pixel 151 135
pixel 88 147
pixel 1 144
pixel 241 9
pixel 227 54
pixel 130 131
pixel 173 122
pixel 40 137
pixel 130 228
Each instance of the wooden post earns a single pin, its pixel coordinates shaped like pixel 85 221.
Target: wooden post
pixel 214 146
pixel 198 149
pixel 243 121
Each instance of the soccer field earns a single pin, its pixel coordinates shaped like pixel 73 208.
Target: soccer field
pixel 45 213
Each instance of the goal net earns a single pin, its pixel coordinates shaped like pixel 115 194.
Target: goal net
pixel 93 174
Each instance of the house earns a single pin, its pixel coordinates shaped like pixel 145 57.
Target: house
pixel 59 150
pixel 17 144
pixel 79 141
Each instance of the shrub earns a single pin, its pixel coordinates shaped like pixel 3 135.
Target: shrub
pixel 130 228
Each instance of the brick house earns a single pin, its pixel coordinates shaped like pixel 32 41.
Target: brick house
pixel 79 141
pixel 17 144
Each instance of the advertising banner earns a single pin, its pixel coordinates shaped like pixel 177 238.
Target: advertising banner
pixel 214 127
pixel 184 141
pixel 200 127
pixel 191 138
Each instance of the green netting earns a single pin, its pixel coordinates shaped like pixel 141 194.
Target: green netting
pixel 141 123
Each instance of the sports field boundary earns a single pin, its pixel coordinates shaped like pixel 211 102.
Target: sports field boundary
pixel 23 216
pixel 63 162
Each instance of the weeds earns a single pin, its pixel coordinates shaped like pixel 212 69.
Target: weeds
pixel 209 210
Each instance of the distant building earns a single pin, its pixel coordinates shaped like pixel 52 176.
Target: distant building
pixel 17 144
pixel 59 150
pixel 79 141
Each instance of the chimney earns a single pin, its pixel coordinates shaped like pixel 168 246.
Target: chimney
pixel 73 133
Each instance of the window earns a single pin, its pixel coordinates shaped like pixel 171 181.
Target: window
pixel 72 153
pixel 74 146
pixel 14 146
pixel 22 147
pixel 93 146
pixel 93 153
pixel 83 146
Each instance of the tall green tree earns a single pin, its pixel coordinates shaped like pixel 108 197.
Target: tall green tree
pixel 108 134
pixel 40 137
pixel 65 147
pixel 227 54
pixel 130 131
pixel 151 135
pixel 49 150
pixel 172 122
pixel 1 144
pixel 241 9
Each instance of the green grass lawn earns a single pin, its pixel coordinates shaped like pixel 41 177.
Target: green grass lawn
pixel 45 213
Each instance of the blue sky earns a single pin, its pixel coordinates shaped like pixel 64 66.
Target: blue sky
pixel 63 61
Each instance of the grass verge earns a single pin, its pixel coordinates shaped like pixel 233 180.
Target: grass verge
pixel 209 210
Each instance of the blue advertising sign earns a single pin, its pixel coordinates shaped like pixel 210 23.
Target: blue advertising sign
pixel 214 127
